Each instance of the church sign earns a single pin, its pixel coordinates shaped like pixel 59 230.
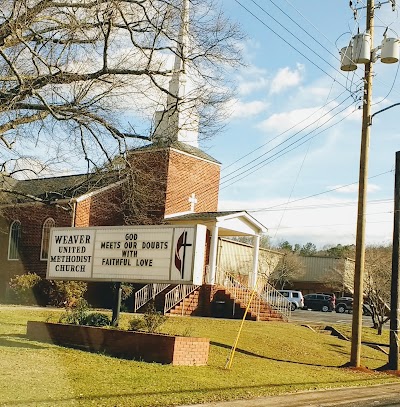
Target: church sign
pixel 146 254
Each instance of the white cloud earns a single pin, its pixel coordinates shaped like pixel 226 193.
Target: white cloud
pixel 241 109
pixel 302 117
pixel 286 78
pixel 353 188
pixel 248 87
pixel 252 79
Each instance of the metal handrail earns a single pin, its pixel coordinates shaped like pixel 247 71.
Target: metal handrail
pixel 268 294
pixel 178 294
pixel 276 300
pixel 147 293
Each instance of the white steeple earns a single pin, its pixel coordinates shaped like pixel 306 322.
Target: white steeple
pixel 179 121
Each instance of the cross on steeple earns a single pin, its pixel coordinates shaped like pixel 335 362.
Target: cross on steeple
pixel 193 201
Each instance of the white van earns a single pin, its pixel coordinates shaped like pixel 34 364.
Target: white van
pixel 294 297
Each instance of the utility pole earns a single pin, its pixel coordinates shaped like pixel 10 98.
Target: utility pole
pixel 394 292
pixel 355 357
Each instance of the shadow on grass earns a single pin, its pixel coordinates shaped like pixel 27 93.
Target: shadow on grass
pixel 248 353
pixel 93 398
pixel 18 341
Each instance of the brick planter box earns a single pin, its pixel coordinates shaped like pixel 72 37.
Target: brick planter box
pixel 178 350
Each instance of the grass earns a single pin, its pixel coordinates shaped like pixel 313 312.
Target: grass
pixel 368 334
pixel 271 358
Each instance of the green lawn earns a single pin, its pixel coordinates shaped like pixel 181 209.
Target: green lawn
pixel 271 358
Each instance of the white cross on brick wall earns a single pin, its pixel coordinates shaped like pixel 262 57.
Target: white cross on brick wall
pixel 193 201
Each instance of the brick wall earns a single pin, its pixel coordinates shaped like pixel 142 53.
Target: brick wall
pixel 101 209
pixel 190 351
pixel 32 218
pixel 187 175
pixel 159 348
pixel 146 187
pixel 166 178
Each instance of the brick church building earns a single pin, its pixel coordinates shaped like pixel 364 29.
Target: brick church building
pixel 174 184
pixel 169 181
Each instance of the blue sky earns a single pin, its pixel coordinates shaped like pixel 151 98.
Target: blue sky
pixel 295 125
pixel 290 149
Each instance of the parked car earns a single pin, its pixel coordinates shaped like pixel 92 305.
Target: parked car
pixel 319 302
pixel 333 295
pixel 295 298
pixel 345 304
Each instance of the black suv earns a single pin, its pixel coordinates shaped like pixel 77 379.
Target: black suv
pixel 319 302
pixel 344 304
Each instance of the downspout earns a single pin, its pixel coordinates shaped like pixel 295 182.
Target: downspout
pixel 73 204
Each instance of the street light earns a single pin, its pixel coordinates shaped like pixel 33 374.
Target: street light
pixel 360 51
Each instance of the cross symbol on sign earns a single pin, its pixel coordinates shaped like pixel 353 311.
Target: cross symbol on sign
pixel 193 201
pixel 180 261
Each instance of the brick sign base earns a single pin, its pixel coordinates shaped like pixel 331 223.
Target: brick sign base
pixel 176 350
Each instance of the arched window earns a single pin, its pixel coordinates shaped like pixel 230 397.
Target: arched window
pixel 14 240
pixel 47 225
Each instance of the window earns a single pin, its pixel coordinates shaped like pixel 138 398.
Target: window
pixel 47 225
pixel 14 240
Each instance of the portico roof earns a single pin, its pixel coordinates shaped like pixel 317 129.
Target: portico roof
pixel 229 223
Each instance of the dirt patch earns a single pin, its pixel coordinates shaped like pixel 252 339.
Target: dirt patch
pixel 362 369
pixel 391 372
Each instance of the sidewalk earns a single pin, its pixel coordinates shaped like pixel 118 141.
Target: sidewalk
pixel 320 398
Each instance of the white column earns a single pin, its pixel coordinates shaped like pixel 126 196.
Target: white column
pixel 256 249
pixel 213 255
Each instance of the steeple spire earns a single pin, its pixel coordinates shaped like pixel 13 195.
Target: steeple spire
pixel 179 121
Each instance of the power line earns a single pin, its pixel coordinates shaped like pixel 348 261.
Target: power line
pixel 354 72
pixel 327 225
pixel 284 132
pixel 268 160
pixel 298 39
pixel 284 141
pixel 264 163
pixel 301 28
pixel 290 45
pixel 321 193
pixel 324 206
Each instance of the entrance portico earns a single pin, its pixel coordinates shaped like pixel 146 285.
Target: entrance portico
pixel 224 224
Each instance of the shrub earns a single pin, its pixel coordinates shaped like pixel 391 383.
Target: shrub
pixel 153 319
pixel 76 314
pixel 79 314
pixel 66 293
pixel 150 322
pixel 97 319
pixel 136 324
pixel 23 288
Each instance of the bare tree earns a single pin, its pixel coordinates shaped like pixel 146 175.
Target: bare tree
pixel 378 267
pixel 288 269
pixel 264 240
pixel 82 79
pixel 340 277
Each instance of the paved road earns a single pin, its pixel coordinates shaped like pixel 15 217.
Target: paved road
pixel 319 317
pixel 387 395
